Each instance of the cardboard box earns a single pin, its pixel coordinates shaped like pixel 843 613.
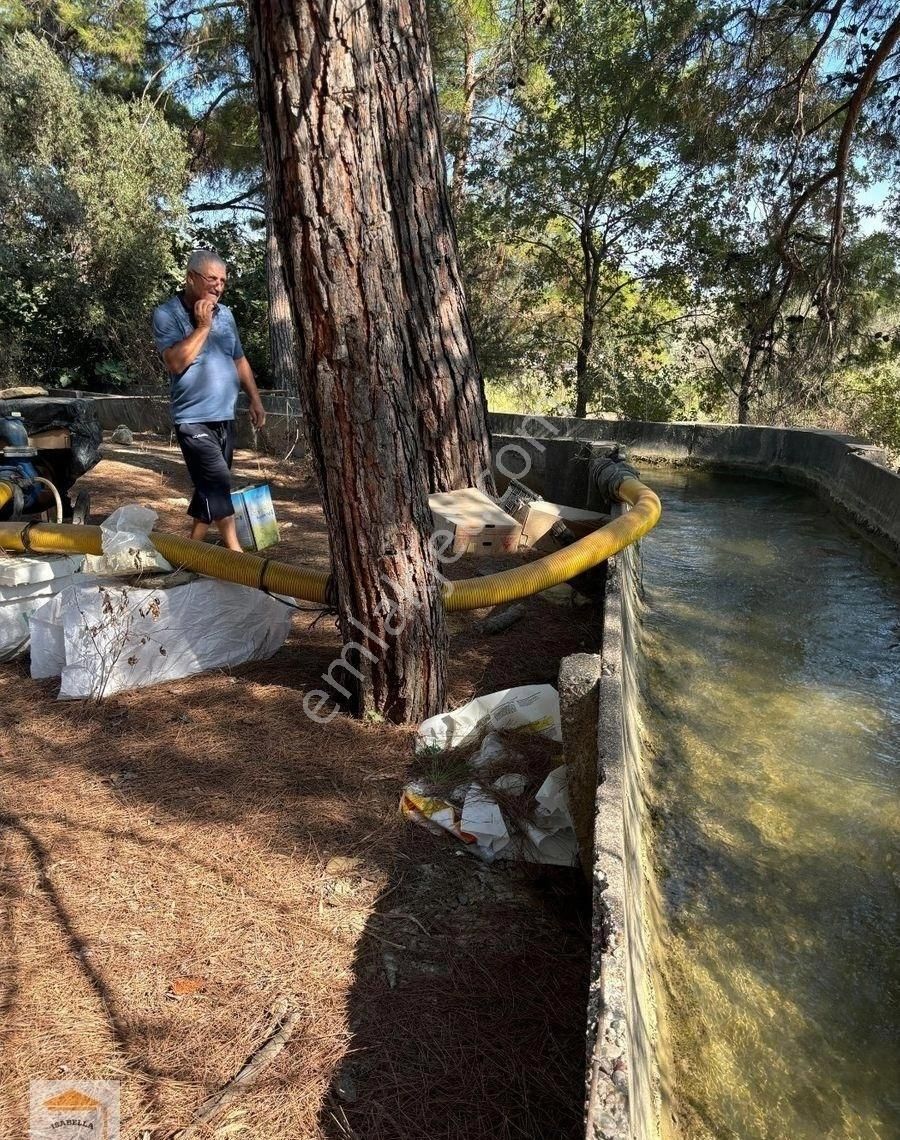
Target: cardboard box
pixel 54 439
pixel 543 515
pixel 254 517
pixel 478 525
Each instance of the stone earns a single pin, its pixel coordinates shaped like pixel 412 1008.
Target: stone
pixel 340 865
pixel 579 695
pixel 390 968
pixel 22 392
pixel 122 435
pixel 346 1088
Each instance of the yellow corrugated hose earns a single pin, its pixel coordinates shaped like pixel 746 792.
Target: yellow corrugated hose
pixel 561 565
pixel 311 585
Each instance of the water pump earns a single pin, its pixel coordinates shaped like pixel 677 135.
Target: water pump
pixel 16 466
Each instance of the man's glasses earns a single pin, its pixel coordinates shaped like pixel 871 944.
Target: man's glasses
pixel 210 280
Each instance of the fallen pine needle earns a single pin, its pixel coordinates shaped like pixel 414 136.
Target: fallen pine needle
pixel 247 1075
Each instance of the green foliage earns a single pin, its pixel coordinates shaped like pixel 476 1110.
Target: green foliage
pixel 638 233
pixel 872 407
pixel 115 29
pixel 95 34
pixel 575 178
pixel 90 196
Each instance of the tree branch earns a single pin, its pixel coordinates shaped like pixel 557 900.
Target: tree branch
pixel 232 203
pixel 221 5
pixel 842 158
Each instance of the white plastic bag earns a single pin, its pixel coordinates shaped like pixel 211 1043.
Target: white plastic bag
pixel 25 585
pixel 532 707
pixel 127 548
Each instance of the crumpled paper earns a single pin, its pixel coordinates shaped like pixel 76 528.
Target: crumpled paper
pixel 432 812
pixel 531 707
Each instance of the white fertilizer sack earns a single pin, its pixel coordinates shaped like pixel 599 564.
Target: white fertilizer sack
pixel 100 637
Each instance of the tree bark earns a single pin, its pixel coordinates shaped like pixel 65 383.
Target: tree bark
pixel 388 377
pixel 590 287
pixel 282 343
pixel 745 388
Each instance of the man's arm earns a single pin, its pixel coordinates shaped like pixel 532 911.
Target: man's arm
pixel 248 383
pixel 179 356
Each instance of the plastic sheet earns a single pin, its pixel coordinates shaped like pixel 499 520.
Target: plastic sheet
pixel 100 637
pixel 25 586
pixel 127 548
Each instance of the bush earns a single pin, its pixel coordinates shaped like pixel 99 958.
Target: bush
pixel 90 195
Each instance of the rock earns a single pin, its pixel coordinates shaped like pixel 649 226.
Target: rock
pixel 564 595
pixel 340 865
pixel 390 968
pixel 346 1088
pixel 22 392
pixel 122 435
pixel 498 622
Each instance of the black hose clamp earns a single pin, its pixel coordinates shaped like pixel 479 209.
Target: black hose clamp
pixel 23 535
pixel 608 475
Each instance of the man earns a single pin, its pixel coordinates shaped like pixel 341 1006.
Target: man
pixel 199 342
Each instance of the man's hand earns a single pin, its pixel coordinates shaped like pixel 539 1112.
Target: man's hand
pixel 257 413
pixel 203 313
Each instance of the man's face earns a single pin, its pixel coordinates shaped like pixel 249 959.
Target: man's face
pixel 208 283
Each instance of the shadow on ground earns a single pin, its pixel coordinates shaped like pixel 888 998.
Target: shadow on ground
pixel 465 1011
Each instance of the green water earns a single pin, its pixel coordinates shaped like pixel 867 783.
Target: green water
pixel 772 720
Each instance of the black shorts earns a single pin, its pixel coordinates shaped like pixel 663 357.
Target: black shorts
pixel 208 450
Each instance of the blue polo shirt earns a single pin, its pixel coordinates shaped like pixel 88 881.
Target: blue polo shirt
pixel 208 388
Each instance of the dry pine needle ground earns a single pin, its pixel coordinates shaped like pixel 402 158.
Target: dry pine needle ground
pixel 168 871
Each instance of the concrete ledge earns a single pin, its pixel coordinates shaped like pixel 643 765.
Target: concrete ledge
pixel 625 1056
pixel 579 681
pixel 847 472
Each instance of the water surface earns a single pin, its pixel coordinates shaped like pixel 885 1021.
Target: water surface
pixel 772 718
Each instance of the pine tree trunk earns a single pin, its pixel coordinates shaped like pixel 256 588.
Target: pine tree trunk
pixel 282 345
pixel 388 377
pixel 590 287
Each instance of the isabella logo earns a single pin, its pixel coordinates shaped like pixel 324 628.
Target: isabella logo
pixel 74 1110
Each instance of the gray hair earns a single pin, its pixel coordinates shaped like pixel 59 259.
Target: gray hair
pixel 201 257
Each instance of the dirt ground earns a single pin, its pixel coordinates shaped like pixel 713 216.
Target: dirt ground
pixel 175 860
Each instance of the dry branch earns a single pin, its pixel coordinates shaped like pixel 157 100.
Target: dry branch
pixel 247 1076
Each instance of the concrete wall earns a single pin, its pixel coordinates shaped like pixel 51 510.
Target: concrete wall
pixel 599 703
pixel 629 1067
pixel 850 474
pixel 627 1040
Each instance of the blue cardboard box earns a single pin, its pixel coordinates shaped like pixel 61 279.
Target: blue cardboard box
pixel 254 515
